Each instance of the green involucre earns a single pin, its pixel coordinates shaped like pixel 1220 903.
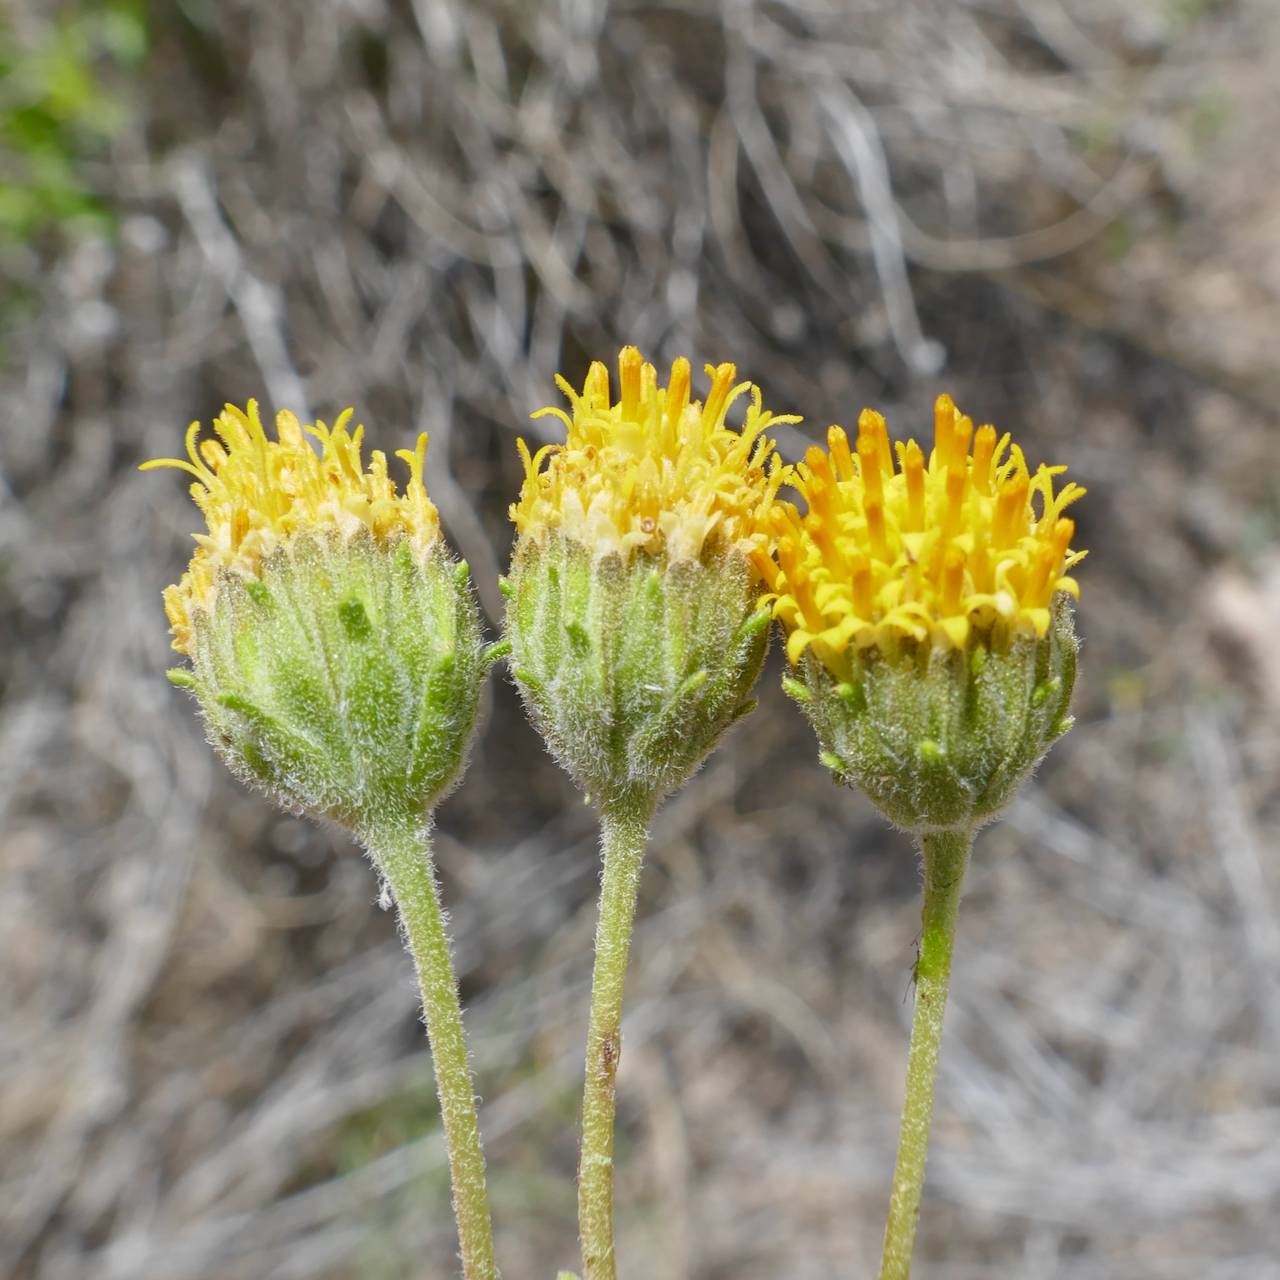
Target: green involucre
pixel 632 668
pixel 345 680
pixel 940 739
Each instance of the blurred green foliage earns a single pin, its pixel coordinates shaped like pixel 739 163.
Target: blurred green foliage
pixel 1181 15
pixel 1211 112
pixel 364 1136
pixel 61 101
pixel 392 1122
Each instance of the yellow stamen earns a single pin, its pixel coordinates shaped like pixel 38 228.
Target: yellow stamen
pixel 860 584
pixel 722 377
pixel 952 520
pixel 877 535
pixel 873 427
pixel 869 465
pixel 841 458
pixel 257 495
pixel 678 387
pixel 952 581
pixel 656 471
pixel 939 552
pixel 1011 505
pixel 984 445
pixel 960 437
pixel 944 417
pixel 629 363
pixel 913 467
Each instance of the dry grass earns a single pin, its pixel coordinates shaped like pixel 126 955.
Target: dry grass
pixel 210 1062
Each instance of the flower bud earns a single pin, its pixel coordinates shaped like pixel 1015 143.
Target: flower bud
pixel 927 613
pixel 335 645
pixel 635 615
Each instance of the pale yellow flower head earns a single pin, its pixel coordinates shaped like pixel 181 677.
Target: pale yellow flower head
pixel 654 470
pixel 894 546
pixel 258 494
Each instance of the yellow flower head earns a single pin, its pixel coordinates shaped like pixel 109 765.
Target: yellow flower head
pixel 654 471
pixel 257 494
pixel 969 542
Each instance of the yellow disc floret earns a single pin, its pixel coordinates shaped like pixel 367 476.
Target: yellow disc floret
pixel 655 470
pixel 967 542
pixel 257 494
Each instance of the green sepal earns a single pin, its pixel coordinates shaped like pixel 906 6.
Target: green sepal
pixel 530 682
pixel 355 621
pixel 633 666
pixel 941 739
pixel 854 696
pixel 496 651
pixel 796 689
pixel 758 621
pixel 693 683
pixel 345 679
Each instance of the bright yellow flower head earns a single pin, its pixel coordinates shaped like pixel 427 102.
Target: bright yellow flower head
pixel 654 471
pixel 256 494
pixel 969 542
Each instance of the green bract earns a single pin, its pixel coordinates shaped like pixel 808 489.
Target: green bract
pixel 941 738
pixel 344 679
pixel 632 667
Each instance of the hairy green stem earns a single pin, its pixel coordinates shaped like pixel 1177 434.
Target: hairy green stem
pixel 624 832
pixel 402 851
pixel 945 855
